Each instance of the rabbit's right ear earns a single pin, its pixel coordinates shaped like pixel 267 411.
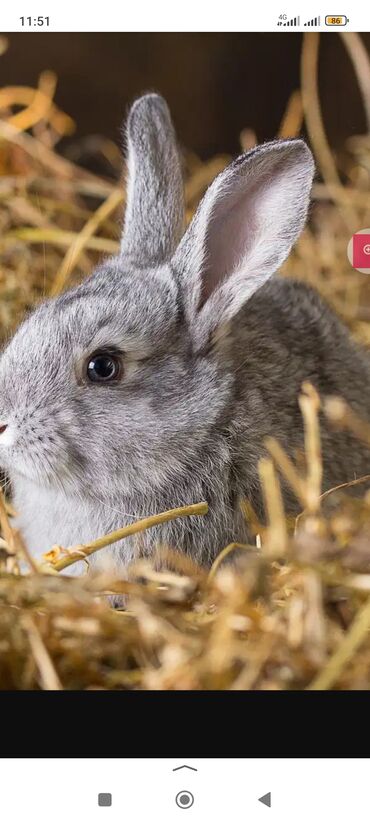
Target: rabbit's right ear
pixel 242 232
pixel 154 217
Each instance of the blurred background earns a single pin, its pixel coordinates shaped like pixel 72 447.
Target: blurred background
pixel 215 84
pixel 62 195
pixel 63 98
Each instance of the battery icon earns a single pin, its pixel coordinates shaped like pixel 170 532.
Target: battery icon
pixel 336 20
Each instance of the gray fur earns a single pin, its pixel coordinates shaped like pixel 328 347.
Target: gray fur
pixel 154 218
pixel 215 350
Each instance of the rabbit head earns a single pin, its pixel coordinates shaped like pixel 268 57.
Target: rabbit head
pixel 118 383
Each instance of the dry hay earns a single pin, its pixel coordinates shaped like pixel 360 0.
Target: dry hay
pixel 293 613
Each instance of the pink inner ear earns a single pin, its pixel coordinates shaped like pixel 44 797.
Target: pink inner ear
pixel 229 237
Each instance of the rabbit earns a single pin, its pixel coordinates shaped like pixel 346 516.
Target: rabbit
pixel 155 382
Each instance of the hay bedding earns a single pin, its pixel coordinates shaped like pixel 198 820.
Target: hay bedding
pixel 293 613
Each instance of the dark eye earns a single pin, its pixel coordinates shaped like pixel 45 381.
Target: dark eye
pixel 103 367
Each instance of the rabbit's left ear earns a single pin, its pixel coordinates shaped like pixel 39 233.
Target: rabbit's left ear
pixel 242 232
pixel 154 217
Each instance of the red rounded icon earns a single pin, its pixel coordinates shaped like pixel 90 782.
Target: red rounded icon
pixel 358 251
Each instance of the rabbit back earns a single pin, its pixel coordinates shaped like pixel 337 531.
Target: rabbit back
pixel 285 336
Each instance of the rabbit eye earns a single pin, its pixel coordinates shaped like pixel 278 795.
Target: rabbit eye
pixel 103 367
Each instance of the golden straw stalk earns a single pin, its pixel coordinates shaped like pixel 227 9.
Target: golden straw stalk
pixel 83 551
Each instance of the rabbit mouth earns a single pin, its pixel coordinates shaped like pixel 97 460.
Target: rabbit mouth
pixel 37 472
pixel 35 466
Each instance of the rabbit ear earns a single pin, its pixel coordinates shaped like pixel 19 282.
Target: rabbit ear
pixel 242 232
pixel 154 218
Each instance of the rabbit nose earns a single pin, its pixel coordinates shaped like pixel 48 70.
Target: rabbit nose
pixel 3 427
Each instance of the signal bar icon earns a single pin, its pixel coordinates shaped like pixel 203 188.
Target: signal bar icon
pixel 314 22
pixel 293 22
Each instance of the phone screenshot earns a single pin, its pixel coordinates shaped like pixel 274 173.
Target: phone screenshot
pixel 184 408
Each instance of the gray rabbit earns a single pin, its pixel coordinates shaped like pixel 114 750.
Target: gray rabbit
pixel 155 382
